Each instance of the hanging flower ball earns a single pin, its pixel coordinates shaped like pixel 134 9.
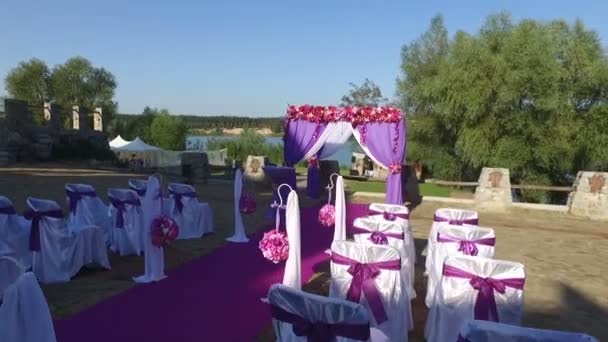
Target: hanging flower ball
pixel 274 246
pixel 247 204
pixel 327 215
pixel 164 230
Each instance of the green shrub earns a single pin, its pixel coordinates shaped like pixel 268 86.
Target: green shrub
pixel 248 143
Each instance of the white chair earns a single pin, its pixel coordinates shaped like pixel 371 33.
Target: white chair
pixel 400 214
pixel 371 275
pixel 139 186
pixel 127 222
pixel 448 216
pixel 453 241
pixel 24 313
pixel 484 331
pixel 10 271
pixel 390 233
pixel 194 218
pixel 87 209
pixel 475 288
pixel 58 252
pixel 14 234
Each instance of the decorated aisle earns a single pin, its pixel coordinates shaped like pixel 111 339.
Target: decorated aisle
pixel 213 298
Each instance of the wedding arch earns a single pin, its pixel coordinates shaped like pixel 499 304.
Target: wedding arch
pixel 317 132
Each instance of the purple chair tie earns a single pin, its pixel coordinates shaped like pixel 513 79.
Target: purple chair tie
pixel 379 238
pixel 75 196
pixel 320 332
pixel 462 339
pixel 35 217
pixel 388 215
pixel 363 282
pixel 177 196
pixel 120 208
pixel 485 305
pixel 456 222
pixel 7 211
pixel 140 192
pixel 467 247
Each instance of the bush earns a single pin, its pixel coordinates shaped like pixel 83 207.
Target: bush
pixel 248 143
pixel 168 132
pixel 81 149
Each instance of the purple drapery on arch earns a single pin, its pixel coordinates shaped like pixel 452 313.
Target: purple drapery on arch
pixel 300 137
pixel 386 144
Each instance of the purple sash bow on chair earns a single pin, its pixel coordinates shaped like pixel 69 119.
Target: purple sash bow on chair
pixel 320 332
pixel 462 339
pixel 456 222
pixel 35 217
pixel 485 305
pixel 120 209
pixel 140 192
pixel 467 247
pixel 379 238
pixel 177 196
pixel 363 282
pixel 388 215
pixel 75 196
pixel 7 210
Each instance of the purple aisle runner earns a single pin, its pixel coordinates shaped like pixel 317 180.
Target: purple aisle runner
pixel 213 298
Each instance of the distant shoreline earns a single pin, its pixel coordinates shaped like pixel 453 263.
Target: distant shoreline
pixel 266 132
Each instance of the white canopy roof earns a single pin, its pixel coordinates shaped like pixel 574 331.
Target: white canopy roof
pixel 136 145
pixel 118 142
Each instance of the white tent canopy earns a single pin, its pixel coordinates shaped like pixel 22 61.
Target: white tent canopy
pixel 136 145
pixel 118 142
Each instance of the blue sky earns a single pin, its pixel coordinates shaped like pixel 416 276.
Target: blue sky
pixel 247 58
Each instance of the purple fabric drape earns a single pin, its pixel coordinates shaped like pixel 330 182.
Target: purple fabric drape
pixel 35 217
pixel 467 247
pixel 313 178
pixel 386 143
pixel 300 137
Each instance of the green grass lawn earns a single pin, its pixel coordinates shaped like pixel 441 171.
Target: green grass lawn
pixel 425 189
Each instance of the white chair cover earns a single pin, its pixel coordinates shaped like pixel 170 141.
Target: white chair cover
pixel 340 217
pixel 10 271
pixel 396 213
pixel 390 286
pixel 293 267
pixel 62 252
pixel 457 301
pixel 289 305
pixel 14 234
pixel 24 313
pixel 391 233
pixel 443 216
pixel 87 211
pixel 139 186
pixel 484 331
pixel 154 256
pixel 239 229
pixel 128 229
pixel 194 218
pixel 484 239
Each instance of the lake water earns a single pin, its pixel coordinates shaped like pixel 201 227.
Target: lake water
pixel 343 155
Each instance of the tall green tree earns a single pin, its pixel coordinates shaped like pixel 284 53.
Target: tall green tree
pixel 31 82
pixel 168 132
pixel 366 94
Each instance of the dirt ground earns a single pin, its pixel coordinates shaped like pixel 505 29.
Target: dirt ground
pixel 565 258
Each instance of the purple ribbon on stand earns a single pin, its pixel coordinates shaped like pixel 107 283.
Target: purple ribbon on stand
pixel 177 197
pixel 456 222
pixel 35 217
pixel 485 305
pixel 379 238
pixel 363 282
pixel 7 211
pixel 75 196
pixel 388 215
pixel 467 247
pixel 320 332
pixel 120 208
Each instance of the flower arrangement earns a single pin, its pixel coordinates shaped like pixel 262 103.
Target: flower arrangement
pixel 355 115
pixel 164 231
pixel 395 168
pixel 274 246
pixel 378 238
pixel 327 215
pixel 247 204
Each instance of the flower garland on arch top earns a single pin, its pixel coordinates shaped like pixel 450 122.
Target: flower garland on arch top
pixel 356 115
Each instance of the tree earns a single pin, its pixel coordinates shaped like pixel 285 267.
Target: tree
pixel 31 82
pixel 168 132
pixel 366 94
pixel 528 96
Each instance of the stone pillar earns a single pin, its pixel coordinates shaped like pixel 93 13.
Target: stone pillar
pixel 98 120
pixel 254 168
pixel 590 196
pixel 47 112
pixel 75 117
pixel 494 189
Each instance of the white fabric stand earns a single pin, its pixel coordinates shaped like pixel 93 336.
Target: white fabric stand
pixel 239 229
pixel 127 240
pixel 195 219
pixel 14 236
pixel 444 250
pixel 340 217
pixel 390 285
pixel 90 211
pixel 403 246
pixel 484 331
pixel 24 313
pixel 455 297
pixel 293 266
pixel 456 214
pixel 154 256
pixel 63 252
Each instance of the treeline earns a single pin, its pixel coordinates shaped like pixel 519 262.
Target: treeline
pixel 220 122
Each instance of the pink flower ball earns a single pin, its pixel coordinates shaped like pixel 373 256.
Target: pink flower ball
pixel 164 230
pixel 327 215
pixel 274 246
